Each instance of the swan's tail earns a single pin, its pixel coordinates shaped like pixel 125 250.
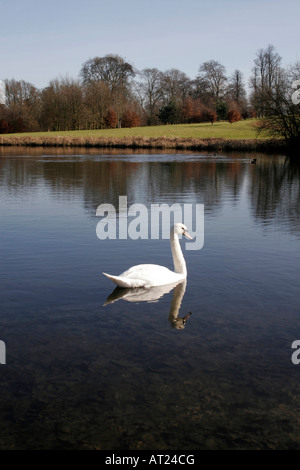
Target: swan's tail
pixel 125 282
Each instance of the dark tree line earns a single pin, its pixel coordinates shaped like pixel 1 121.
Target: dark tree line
pixel 110 92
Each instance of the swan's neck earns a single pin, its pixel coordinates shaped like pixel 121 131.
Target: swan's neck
pixel 178 259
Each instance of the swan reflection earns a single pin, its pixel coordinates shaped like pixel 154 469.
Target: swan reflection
pixel 153 294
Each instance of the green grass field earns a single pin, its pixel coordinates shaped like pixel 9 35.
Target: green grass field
pixel 238 130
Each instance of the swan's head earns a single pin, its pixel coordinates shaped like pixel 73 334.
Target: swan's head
pixel 181 229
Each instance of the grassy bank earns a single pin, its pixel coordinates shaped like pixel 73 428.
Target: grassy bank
pixel 241 135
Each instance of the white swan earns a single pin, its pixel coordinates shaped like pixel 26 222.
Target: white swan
pixel 151 275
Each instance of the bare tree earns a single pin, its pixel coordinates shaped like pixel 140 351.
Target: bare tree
pixel 111 70
pixel 51 116
pixel 283 118
pixel 23 103
pixel 213 79
pixel 175 86
pixel 73 103
pixel 97 101
pixel 236 87
pixel 149 93
pixel 62 105
pixel 175 89
pixel 115 73
pixel 236 95
pixel 265 77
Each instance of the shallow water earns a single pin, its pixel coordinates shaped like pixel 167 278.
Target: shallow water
pixel 84 373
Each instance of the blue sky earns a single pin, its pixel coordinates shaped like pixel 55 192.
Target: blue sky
pixel 43 40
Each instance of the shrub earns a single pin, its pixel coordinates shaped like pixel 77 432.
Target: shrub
pixel 233 116
pixel 169 114
pixel 209 116
pixel 130 119
pixel 111 119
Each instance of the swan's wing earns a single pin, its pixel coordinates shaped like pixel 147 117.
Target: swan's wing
pixel 125 282
pixel 148 275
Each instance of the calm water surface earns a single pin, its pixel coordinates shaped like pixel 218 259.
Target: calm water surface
pixel 85 370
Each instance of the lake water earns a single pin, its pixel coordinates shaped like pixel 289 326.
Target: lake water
pixel 85 372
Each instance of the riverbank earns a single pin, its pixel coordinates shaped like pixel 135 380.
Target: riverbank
pixel 210 144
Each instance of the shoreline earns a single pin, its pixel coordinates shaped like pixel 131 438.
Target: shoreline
pixel 212 144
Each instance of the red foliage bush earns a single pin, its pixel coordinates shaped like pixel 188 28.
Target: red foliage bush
pixel 111 119
pixel 209 116
pixel 130 119
pixel 4 127
pixel 233 116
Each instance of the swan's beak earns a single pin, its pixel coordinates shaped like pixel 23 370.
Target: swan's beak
pixel 187 235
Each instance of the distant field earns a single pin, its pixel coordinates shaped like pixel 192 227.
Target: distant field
pixel 238 130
